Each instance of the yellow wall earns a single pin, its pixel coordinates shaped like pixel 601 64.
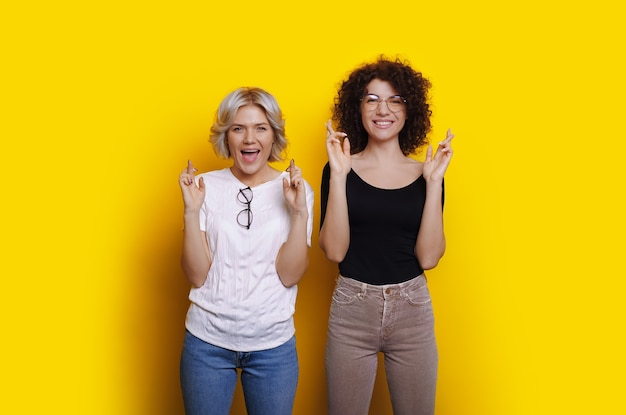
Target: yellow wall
pixel 103 104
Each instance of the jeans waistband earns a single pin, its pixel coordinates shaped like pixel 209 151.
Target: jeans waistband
pixel 383 289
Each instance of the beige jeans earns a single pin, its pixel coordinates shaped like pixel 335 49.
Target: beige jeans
pixel 396 320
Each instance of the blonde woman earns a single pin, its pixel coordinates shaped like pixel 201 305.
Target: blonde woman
pixel 245 247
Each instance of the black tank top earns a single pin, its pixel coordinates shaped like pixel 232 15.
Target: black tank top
pixel 384 224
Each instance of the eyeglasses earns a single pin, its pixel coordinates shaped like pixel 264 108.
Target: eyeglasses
pixel 395 103
pixel 244 217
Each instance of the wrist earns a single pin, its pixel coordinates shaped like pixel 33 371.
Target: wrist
pixel 299 214
pixel 434 182
pixel 338 180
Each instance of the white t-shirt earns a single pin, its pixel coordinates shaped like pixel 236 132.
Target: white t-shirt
pixel 243 305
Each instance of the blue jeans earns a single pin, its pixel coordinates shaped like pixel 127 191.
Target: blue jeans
pixel 396 320
pixel 208 375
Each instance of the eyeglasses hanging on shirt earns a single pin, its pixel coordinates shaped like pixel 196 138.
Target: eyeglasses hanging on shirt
pixel 244 217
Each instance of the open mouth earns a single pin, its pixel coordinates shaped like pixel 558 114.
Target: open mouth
pixel 250 155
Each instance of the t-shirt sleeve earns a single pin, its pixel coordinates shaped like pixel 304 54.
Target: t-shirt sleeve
pixel 310 198
pixel 203 209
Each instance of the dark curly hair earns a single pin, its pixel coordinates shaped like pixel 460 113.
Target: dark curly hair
pixel 408 82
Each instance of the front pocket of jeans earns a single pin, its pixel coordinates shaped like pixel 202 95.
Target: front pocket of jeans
pixel 419 296
pixel 344 295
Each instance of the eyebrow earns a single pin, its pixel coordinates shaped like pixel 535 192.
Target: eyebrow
pixel 254 125
pixel 376 95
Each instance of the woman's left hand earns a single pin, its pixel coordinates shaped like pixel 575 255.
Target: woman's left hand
pixel 294 191
pixel 435 166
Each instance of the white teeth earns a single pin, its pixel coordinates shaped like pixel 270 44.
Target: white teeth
pixel 382 122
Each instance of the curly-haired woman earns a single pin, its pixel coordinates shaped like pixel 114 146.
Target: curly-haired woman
pixel 382 222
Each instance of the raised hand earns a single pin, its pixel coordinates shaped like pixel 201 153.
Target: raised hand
pixel 435 166
pixel 294 190
pixel 193 195
pixel 338 152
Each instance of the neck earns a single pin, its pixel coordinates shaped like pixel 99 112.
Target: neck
pixel 265 174
pixel 387 150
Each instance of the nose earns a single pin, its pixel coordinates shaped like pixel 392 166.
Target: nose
pixel 382 109
pixel 249 137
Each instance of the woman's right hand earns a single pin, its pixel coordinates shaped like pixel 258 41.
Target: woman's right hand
pixel 338 153
pixel 193 195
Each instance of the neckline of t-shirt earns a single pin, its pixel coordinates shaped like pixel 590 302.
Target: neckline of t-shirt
pixel 386 189
pixel 279 177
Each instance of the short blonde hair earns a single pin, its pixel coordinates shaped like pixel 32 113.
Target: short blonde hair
pixel 228 109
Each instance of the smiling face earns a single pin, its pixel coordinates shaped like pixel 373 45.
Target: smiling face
pixel 250 139
pixel 381 123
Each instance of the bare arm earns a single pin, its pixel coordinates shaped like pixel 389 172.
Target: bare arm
pixel 431 241
pixel 293 257
pixel 196 256
pixel 334 238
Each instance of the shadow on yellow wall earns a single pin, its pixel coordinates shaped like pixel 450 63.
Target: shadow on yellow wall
pixel 155 326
